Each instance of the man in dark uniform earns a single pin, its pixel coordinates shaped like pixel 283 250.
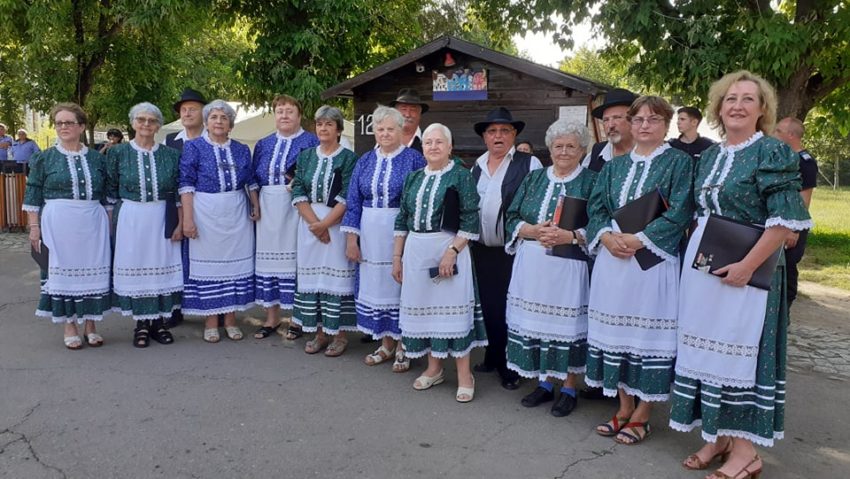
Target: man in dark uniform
pixel 498 174
pixel 690 141
pixel 618 130
pixel 791 131
pixel 189 107
pixel 412 108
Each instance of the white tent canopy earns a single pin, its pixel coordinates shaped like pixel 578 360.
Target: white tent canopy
pixel 252 125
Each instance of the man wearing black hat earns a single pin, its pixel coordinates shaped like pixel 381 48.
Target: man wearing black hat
pixel 618 130
pixel 189 107
pixel 690 141
pixel 412 108
pixel 498 174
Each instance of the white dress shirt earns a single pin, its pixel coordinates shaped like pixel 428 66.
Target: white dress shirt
pixel 607 153
pixel 490 190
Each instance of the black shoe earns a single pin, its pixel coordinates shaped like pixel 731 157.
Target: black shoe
pixel 367 338
pixel 483 368
pixel 537 397
pixel 175 319
pixel 564 405
pixel 160 333
pixel 591 393
pixel 510 384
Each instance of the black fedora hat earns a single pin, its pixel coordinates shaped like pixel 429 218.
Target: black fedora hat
pixel 499 115
pixel 189 95
pixel 615 97
pixel 409 95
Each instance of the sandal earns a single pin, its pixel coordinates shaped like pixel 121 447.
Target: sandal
pixel 465 395
pixel 293 332
pixel 94 340
pixel 73 343
pixel 402 362
pixel 634 436
pixel 424 382
pixel 336 348
pixel 265 331
pixel 233 333
pixel 211 335
pixel 694 463
pixel 614 426
pixel 141 335
pixel 745 470
pixel 380 355
pixel 316 344
pixel 160 333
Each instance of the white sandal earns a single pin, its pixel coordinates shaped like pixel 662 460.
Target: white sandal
pixel 424 382
pixel 71 341
pixel 211 335
pixel 94 340
pixel 468 392
pixel 233 333
pixel 380 355
pixel 402 362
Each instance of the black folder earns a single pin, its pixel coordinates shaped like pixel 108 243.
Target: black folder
pixel 335 189
pixel 289 174
pixel 573 217
pixel 41 257
pixel 635 216
pixel 450 222
pixel 171 219
pixel 726 241
pixel 247 191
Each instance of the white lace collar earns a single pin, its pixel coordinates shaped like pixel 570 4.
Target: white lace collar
pixel 206 137
pixel 290 137
pixel 740 146
pixel 661 149
pixel 550 173
pixel 392 154
pixel 429 172
pixel 83 150
pixel 323 156
pixel 138 148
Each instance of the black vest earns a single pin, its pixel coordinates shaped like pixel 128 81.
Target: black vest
pixel 596 160
pixel 517 169
pixel 416 144
pixel 170 140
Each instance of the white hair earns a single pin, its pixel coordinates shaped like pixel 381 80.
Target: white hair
pixel 438 127
pixel 384 112
pixel 145 107
pixel 564 128
pixel 220 105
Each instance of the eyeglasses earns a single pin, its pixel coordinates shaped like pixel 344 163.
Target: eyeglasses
pixel 146 121
pixel 565 148
pixel 66 124
pixel 652 120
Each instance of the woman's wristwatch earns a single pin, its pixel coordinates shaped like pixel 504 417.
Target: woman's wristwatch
pixel 575 237
pixel 454 248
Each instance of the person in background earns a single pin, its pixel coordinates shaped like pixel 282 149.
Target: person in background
pixel 411 107
pixel 791 131
pixel 6 142
pixel 277 230
pixel 147 270
pixel 189 108
pixel 498 174
pixel 219 198
pixel 68 213
pixel 23 149
pixel 618 130
pixel 525 146
pixel 688 119
pixel 732 340
pixel 113 137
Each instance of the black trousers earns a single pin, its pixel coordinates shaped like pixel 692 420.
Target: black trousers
pixel 792 257
pixel 493 269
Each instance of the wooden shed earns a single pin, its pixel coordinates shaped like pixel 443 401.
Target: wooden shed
pixel 462 81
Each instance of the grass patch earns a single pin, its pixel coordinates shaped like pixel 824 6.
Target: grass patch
pixel 827 258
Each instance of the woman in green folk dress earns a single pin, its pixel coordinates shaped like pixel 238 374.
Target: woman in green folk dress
pixel 64 201
pixel 631 332
pixel 730 370
pixel 147 272
pixel 547 297
pixel 439 314
pixel 324 294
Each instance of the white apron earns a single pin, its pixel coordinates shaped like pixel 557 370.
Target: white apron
pixel 146 264
pixel 77 234
pixel 378 290
pixel 435 310
pixel 224 249
pixel 547 297
pixel 323 268
pixel 633 311
pixel 720 326
pixel 277 233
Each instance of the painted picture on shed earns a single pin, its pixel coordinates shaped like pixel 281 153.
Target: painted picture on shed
pixel 459 83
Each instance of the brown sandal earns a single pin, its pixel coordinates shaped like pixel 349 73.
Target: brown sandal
pixel 694 463
pixel 336 348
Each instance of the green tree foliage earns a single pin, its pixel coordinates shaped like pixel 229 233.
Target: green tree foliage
pixel 681 47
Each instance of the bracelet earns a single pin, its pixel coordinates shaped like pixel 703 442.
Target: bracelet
pixel 454 248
